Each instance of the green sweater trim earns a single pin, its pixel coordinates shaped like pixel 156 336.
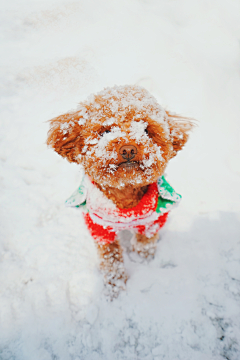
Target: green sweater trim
pixel 168 198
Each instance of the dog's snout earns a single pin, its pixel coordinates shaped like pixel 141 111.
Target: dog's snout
pixel 128 152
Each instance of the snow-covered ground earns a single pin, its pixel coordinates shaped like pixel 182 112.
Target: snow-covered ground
pixel 185 304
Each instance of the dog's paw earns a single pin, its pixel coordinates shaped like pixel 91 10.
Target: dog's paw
pixel 145 247
pixel 145 251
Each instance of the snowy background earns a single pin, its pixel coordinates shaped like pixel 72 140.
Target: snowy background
pixel 185 304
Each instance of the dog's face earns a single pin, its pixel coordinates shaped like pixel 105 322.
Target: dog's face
pixel 121 136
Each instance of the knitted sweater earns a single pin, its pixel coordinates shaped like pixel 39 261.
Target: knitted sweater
pixel 159 199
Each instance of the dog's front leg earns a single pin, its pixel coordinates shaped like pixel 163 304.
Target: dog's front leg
pixel 112 267
pixel 110 253
pixel 145 239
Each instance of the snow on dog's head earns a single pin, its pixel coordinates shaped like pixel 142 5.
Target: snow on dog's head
pixel 121 136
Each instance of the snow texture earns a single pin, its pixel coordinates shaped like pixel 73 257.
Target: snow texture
pixel 119 100
pixel 184 304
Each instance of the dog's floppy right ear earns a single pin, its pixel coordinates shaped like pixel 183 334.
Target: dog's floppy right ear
pixel 179 128
pixel 65 137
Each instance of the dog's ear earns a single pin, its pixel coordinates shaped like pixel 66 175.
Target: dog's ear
pixel 179 131
pixel 65 137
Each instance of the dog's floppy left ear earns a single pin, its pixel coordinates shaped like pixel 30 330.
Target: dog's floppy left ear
pixel 65 137
pixel 179 131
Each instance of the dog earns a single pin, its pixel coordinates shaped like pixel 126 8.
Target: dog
pixel 124 140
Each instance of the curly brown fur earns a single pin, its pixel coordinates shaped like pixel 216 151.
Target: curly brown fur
pixel 124 199
pixel 75 136
pixel 96 135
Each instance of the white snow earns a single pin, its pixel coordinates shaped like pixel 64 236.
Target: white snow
pixel 120 99
pixel 184 305
pixel 137 131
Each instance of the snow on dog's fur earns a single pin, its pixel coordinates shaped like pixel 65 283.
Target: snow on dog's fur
pixel 124 140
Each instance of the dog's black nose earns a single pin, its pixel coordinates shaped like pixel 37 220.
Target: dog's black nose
pixel 128 152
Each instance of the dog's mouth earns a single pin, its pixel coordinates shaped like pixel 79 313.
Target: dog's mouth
pixel 128 165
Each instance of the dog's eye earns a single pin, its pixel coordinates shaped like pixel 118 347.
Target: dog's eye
pixel 105 132
pixel 146 131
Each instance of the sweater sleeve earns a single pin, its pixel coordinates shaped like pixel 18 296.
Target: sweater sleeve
pixel 78 198
pixel 168 198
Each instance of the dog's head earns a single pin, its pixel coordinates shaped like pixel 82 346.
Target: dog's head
pixel 121 136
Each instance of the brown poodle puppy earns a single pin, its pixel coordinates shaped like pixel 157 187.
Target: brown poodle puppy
pixel 123 139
